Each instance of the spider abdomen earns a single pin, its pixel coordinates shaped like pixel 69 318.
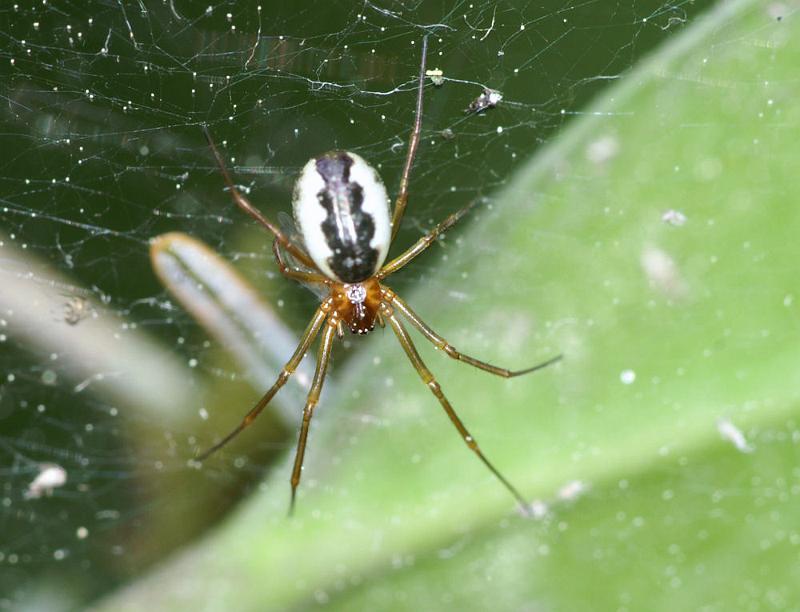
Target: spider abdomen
pixel 342 210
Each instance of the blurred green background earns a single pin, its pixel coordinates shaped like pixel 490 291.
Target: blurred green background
pixel 636 214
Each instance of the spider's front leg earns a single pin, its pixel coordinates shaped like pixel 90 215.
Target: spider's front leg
pixel 423 243
pixel 413 143
pixel 243 203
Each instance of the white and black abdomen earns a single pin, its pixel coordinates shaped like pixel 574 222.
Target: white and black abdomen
pixel 342 210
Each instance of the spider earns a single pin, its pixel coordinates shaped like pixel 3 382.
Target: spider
pixel 341 210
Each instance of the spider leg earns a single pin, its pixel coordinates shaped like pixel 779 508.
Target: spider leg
pixel 413 144
pixel 311 403
pixel 251 210
pixel 430 381
pixel 294 273
pixel 308 337
pixel 442 344
pixel 423 243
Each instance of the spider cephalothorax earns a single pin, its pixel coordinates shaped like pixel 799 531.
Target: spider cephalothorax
pixel 357 305
pixel 341 210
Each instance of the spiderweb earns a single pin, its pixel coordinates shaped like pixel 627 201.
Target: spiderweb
pixel 103 104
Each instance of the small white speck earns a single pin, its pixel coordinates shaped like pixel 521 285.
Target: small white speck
pixel 538 509
pixel 572 490
pixel 663 272
pixel 49 477
pixel 674 217
pixel 602 149
pixel 733 434
pixel 627 377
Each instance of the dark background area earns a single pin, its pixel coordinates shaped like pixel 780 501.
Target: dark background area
pixel 102 108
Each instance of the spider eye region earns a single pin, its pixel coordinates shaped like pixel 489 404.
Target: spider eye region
pixel 342 210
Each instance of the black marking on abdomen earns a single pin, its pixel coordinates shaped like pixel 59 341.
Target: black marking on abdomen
pixel 348 229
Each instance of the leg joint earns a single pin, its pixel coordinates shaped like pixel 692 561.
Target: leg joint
pixel 309 409
pixel 387 294
pixel 450 350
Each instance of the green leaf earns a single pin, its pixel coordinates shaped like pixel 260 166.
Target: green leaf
pixel 673 333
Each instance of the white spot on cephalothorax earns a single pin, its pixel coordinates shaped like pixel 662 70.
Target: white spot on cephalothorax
pixel 355 293
pixel 627 377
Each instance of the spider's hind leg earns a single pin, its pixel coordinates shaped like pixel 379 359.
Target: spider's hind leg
pixel 311 403
pixel 430 381
pixel 294 273
pixel 308 338
pixel 442 344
